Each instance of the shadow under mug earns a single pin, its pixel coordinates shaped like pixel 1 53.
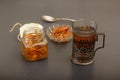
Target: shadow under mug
pixel 84 38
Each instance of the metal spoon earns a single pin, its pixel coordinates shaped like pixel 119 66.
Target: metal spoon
pixel 52 19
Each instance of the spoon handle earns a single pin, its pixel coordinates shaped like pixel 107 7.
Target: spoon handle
pixel 65 19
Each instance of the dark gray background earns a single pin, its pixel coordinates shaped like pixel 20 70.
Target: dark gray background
pixel 58 65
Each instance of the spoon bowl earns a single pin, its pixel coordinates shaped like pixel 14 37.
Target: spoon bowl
pixel 48 18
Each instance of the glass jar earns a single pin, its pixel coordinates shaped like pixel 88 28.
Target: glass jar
pixel 33 41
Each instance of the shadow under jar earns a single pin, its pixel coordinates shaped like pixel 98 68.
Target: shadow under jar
pixel 84 38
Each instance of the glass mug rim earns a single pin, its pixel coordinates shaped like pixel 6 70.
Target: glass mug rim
pixel 90 23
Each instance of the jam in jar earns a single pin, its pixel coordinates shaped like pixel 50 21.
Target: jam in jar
pixel 33 41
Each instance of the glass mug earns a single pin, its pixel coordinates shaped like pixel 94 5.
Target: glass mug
pixel 84 38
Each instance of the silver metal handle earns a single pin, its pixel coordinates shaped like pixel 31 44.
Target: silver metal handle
pixel 65 19
pixel 102 34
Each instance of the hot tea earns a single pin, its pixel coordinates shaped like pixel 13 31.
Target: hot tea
pixel 84 38
pixel 83 44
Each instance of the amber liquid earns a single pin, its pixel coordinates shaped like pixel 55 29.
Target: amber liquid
pixel 31 48
pixel 83 44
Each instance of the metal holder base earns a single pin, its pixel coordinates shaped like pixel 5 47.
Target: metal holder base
pixel 81 63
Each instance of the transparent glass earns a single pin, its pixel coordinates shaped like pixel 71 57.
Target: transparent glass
pixel 84 37
pixel 64 36
pixel 34 44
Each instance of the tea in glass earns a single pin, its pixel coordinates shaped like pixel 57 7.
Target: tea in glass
pixel 84 37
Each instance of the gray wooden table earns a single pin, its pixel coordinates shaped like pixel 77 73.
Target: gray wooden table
pixel 58 66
